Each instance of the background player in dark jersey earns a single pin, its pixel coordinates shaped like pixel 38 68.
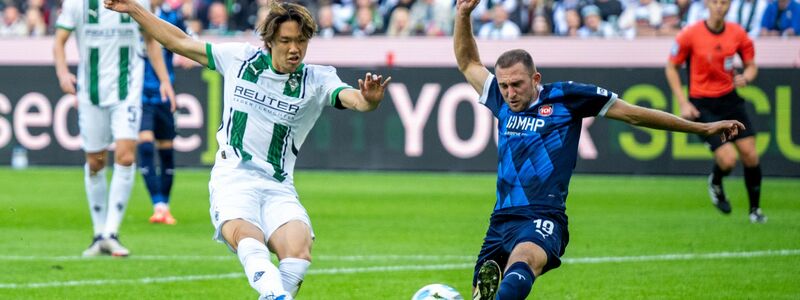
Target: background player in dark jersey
pixel 538 128
pixel 710 48
pixel 158 127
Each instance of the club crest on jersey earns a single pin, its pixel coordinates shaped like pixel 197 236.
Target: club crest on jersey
pixel 545 110
pixel 293 83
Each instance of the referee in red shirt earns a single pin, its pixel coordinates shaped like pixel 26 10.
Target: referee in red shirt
pixel 709 48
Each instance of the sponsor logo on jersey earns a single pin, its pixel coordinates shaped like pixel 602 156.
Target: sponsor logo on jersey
pixel 96 32
pixel 545 110
pixel 253 96
pixel 602 91
pixel 524 123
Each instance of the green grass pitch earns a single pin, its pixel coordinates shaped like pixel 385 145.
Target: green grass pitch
pixel 384 235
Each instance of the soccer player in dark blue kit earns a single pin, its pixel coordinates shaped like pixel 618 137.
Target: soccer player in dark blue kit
pixel 157 129
pixel 538 128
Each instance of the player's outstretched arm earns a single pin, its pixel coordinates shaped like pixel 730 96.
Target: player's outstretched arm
pixel 66 80
pixel 466 50
pixel 369 94
pixel 165 33
pixel 646 117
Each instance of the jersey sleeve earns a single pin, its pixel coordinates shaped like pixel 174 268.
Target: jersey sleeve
pixel 331 85
pixel 70 15
pixel 224 55
pixel 491 97
pixel 681 48
pixel 746 49
pixel 586 100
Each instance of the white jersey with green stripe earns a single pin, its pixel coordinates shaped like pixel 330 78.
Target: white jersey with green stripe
pixel 111 67
pixel 267 115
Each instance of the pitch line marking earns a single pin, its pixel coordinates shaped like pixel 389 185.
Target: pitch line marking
pixel 458 266
pixel 233 257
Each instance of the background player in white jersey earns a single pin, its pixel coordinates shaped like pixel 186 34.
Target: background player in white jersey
pixel 271 102
pixel 109 85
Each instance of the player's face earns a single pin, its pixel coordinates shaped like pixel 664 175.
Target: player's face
pixel 717 9
pixel 517 86
pixel 288 47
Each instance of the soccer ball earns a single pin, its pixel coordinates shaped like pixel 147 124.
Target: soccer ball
pixel 437 291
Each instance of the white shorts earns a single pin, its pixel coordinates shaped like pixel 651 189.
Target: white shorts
pixel 238 192
pixel 100 126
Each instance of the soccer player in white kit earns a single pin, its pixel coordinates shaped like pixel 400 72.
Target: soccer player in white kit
pixel 109 86
pixel 271 102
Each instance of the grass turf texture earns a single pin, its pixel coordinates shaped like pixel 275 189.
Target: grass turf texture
pixel 384 235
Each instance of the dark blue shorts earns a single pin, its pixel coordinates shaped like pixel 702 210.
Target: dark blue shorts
pixel 157 118
pixel 545 228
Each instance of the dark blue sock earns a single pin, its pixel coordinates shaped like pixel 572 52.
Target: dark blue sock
pixel 148 169
pixel 167 171
pixel 517 282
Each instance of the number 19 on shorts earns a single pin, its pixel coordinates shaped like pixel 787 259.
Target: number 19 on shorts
pixel 544 227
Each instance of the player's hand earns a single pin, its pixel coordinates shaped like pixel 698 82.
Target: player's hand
pixel 465 7
pixel 122 6
pixel 373 86
pixel 168 94
pixel 688 111
pixel 739 80
pixel 67 83
pixel 727 129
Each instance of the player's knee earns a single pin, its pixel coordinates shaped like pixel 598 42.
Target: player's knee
pixel 96 161
pixel 750 159
pixel 164 144
pixel 292 248
pixel 125 159
pixel 727 162
pixel 145 138
pixel 533 255
pixel 300 253
pixel 236 230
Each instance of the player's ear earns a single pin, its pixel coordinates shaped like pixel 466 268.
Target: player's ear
pixel 537 77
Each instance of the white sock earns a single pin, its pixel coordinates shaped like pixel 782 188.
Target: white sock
pixel 160 206
pixel 292 272
pixel 96 191
pixel 120 192
pixel 263 276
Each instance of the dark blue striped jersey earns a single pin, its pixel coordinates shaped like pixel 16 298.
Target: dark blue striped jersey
pixel 538 147
pixel 151 82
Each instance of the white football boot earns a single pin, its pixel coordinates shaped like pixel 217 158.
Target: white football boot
pixel 113 246
pixel 96 248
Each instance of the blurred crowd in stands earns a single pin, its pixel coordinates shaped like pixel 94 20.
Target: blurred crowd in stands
pixel 493 19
